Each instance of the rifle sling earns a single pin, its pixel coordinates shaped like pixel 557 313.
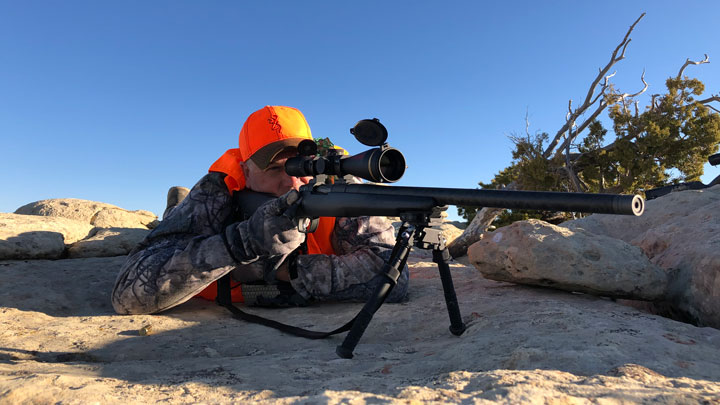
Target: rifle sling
pixel 223 299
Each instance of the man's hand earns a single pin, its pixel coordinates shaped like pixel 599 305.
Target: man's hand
pixel 271 231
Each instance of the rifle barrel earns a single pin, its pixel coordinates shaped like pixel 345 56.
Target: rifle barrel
pixel 532 200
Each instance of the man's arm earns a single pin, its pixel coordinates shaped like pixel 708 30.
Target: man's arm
pixel 199 243
pixel 181 256
pixel 362 245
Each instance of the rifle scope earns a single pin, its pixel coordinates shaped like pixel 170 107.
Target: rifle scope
pixel 382 164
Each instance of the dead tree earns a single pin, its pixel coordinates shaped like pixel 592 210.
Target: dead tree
pixel 596 101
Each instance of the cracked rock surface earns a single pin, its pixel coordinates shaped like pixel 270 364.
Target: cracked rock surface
pixel 62 343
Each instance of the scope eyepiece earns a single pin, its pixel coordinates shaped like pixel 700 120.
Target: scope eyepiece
pixel 303 166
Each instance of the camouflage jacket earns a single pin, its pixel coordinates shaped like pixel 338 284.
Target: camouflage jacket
pixel 187 252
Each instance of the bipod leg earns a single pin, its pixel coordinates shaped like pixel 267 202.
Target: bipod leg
pixel 391 270
pixel 441 257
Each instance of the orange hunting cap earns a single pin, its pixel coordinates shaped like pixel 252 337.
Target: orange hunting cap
pixel 271 130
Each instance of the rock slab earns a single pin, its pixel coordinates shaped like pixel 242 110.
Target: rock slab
pixel 36 237
pixel 61 343
pixel 98 214
pixel 679 232
pixel 535 252
pixel 108 242
pixel 71 227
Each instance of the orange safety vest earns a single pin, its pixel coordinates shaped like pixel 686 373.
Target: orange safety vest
pixel 317 242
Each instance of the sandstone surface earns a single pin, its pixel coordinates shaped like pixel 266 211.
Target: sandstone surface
pixel 679 207
pixel 61 343
pixel 99 214
pixel 538 253
pixel 36 237
pixel 71 208
pixel 108 242
pixel 120 218
pixel 679 233
pixel 71 227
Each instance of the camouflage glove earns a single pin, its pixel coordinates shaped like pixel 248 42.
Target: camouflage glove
pixel 269 232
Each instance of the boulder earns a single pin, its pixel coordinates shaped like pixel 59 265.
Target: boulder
pixel 120 218
pixel 36 237
pixel 679 233
pixel 71 208
pixel 108 242
pixel 535 252
pixel 31 245
pixel 677 207
pixel 99 214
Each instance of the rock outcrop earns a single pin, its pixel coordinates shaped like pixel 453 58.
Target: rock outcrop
pixel 678 233
pixel 62 343
pixel 538 253
pixel 70 208
pixel 36 237
pixel 108 242
pixel 51 229
pixel 98 214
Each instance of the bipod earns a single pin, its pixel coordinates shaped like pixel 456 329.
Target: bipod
pixel 422 230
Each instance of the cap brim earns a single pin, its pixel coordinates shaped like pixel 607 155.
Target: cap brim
pixel 265 155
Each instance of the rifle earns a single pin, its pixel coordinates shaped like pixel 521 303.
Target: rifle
pixel 330 194
pixel 714 160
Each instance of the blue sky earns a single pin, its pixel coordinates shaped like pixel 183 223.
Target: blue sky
pixel 118 101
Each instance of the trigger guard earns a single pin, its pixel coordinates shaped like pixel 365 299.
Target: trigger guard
pixel 307 225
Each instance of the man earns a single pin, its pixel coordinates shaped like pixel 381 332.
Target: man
pixel 206 236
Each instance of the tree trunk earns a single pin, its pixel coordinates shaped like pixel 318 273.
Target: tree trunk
pixel 479 224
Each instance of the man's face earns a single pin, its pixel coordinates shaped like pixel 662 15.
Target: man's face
pixel 272 180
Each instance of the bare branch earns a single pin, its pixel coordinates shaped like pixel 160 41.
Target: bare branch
pixel 645 87
pixel 591 98
pixel 690 62
pixel 527 123
pixel 714 97
pixel 569 169
pixel 613 60
pixel 584 125
pixel 643 90
pixel 653 101
pixel 707 101
pixel 628 95
pixel 608 77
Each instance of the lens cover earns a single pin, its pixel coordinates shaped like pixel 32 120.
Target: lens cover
pixel 370 132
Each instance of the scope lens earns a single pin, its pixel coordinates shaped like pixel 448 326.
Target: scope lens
pixel 392 165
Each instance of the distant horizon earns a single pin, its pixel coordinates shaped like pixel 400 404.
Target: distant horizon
pixel 117 102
